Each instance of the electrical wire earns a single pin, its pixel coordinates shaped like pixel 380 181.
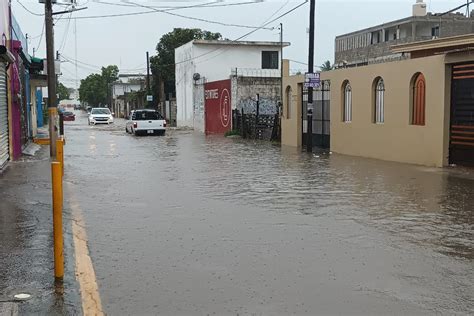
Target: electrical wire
pixel 237 39
pixel 66 33
pixel 28 10
pixel 154 10
pixel 197 19
pixel 41 37
pixel 213 4
pixel 243 36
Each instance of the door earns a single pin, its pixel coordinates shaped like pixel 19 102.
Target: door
pixel 461 150
pixel 321 115
pixel 217 107
pixel 4 150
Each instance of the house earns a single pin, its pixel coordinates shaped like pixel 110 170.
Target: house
pixel 418 110
pixel 20 78
pixel 119 91
pixel 214 77
pixel 6 58
pixel 372 45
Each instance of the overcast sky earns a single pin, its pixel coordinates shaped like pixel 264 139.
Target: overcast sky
pixel 124 40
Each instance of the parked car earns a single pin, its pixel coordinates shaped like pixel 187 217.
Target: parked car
pixel 145 122
pixel 69 116
pixel 100 116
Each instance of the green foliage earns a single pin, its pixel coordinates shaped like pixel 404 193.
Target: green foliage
pixel 93 89
pixel 326 66
pixel 162 64
pixel 63 92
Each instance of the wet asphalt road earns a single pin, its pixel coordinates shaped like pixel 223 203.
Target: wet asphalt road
pixel 189 225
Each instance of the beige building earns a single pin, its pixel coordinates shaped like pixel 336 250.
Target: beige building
pixel 419 110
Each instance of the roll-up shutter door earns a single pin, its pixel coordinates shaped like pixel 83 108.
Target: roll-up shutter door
pixel 4 151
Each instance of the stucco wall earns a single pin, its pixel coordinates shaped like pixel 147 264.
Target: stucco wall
pixel 396 139
pixel 291 127
pixel 214 63
pixel 184 84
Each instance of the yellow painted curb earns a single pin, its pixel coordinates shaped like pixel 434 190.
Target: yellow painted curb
pixel 41 141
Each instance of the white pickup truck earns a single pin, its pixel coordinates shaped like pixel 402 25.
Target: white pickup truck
pixel 145 122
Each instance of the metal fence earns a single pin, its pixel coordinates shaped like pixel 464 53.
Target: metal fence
pixel 321 115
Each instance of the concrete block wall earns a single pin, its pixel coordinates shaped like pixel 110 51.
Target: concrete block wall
pixel 245 89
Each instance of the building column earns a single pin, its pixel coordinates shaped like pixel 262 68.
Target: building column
pixel 413 30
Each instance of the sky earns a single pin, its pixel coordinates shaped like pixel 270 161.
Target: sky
pixel 124 41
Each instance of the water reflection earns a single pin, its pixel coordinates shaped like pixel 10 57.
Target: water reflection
pixel 429 207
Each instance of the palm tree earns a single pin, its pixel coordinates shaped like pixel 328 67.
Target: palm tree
pixel 326 66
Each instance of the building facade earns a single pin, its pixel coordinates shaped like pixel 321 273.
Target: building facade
pixel 372 45
pixel 251 67
pixel 6 58
pixel 418 110
pixel 121 105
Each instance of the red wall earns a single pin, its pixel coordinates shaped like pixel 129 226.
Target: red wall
pixel 218 108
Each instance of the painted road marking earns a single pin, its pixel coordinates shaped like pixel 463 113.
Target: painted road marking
pixel 85 274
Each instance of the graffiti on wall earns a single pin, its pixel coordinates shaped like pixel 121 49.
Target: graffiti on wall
pixel 267 106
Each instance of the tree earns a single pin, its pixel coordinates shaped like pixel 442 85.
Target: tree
pixel 63 92
pixel 162 64
pixel 110 73
pixel 94 89
pixel 326 66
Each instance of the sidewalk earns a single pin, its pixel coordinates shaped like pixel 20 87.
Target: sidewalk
pixel 26 250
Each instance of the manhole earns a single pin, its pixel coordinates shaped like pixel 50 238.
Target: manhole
pixel 22 296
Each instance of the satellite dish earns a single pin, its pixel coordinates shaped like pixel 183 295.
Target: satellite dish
pixel 196 77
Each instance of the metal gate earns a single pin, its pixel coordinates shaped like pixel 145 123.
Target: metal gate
pixel 4 150
pixel 461 150
pixel 321 115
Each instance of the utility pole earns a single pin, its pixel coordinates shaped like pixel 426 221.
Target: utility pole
pixel 281 62
pixel 52 98
pixel 309 133
pixel 148 90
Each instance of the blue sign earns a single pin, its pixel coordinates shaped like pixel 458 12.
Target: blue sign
pixel 312 80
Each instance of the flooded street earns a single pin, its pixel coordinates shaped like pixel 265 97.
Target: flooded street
pixel 189 225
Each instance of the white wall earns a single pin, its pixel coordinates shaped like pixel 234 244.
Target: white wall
pixel 184 84
pixel 120 89
pixel 212 62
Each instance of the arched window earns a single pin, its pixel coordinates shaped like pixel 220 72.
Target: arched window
pixel 289 97
pixel 419 100
pixel 347 102
pixel 379 101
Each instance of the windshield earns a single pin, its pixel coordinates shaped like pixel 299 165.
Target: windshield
pixel 146 115
pixel 100 111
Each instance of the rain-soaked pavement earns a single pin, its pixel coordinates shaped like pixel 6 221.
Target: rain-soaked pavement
pixel 26 243
pixel 189 225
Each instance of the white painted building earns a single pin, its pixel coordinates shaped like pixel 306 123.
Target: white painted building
pixel 212 60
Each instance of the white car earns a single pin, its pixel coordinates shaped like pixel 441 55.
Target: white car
pixel 145 122
pixel 100 116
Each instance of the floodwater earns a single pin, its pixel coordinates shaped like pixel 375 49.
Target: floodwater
pixel 192 225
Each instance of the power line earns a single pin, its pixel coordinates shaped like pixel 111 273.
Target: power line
pixel 63 44
pixel 41 37
pixel 237 39
pixel 197 19
pixel 247 34
pixel 154 10
pixel 28 10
